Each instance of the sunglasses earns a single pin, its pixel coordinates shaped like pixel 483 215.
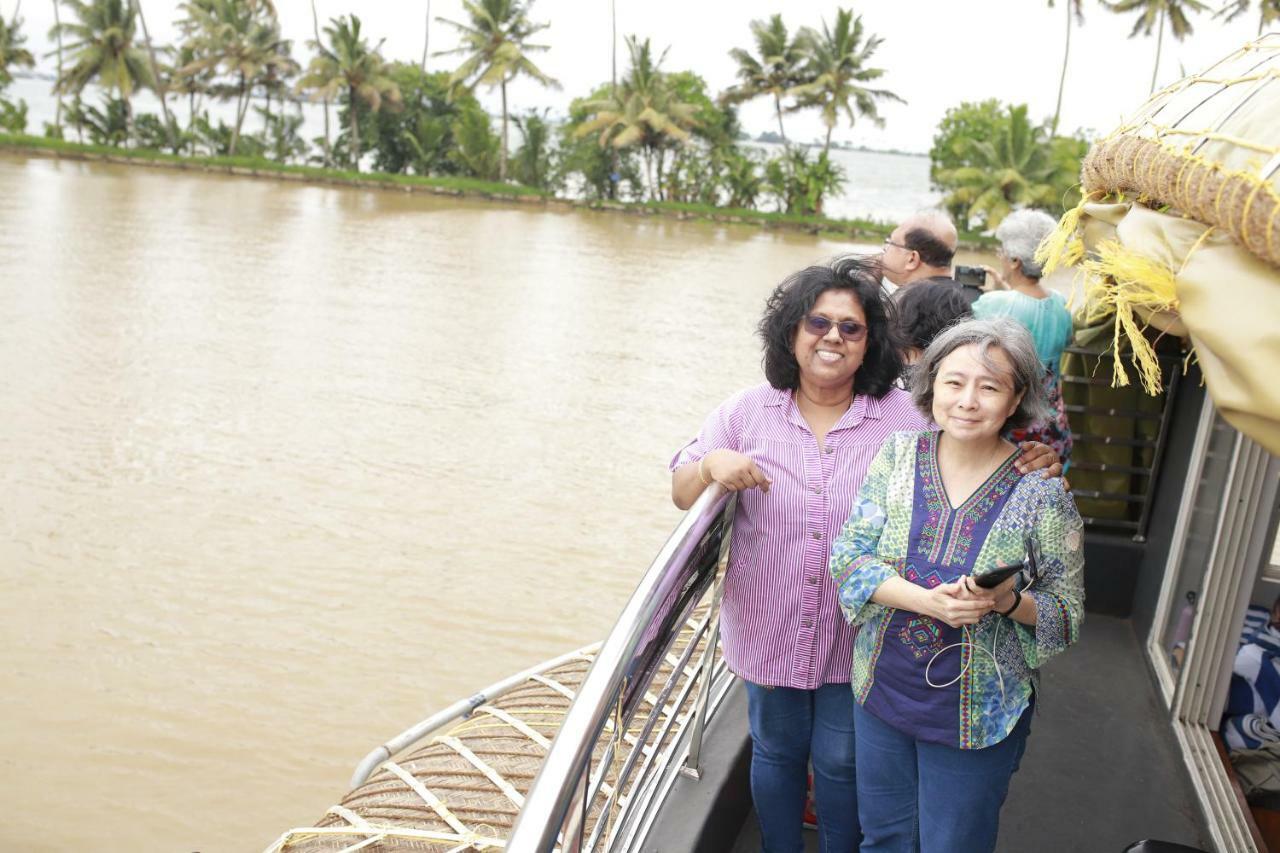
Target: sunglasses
pixel 888 241
pixel 850 330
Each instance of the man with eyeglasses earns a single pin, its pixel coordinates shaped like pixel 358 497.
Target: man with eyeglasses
pixel 919 252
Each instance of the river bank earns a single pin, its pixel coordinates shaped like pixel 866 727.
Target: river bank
pixel 853 229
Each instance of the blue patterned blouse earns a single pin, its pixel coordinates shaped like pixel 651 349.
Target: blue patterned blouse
pixel 903 524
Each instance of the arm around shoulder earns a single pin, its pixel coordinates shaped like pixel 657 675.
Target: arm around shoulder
pixel 1059 590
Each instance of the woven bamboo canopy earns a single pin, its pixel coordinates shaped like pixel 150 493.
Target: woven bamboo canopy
pixel 1179 233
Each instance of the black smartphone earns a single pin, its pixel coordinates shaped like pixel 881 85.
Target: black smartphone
pixel 971 276
pixel 998 575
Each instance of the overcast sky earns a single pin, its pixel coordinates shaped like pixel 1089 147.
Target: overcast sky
pixel 935 54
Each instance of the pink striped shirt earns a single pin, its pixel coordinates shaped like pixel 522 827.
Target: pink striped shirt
pixel 781 623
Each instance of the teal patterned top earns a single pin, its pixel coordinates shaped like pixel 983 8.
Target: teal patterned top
pixel 874 544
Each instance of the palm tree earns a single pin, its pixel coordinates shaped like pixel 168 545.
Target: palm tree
pixel 1152 15
pixel 315 28
pixel 1075 11
pixel 496 45
pixel 12 52
pixel 1268 11
pixel 836 68
pixel 103 50
pixel 347 62
pixel 57 26
pixel 240 38
pixel 155 73
pixel 775 71
pixel 645 111
pixel 1014 169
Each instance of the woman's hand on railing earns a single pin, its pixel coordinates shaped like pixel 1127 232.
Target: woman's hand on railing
pixel 735 471
pixel 731 469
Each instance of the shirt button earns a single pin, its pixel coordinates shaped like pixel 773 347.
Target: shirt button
pixel 817 535
pixel 830 450
pixel 811 581
pixel 808 623
pixel 817 490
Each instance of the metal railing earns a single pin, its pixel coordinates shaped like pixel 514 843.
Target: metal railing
pixel 639 714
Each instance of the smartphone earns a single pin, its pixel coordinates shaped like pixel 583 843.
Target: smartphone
pixel 998 575
pixel 971 276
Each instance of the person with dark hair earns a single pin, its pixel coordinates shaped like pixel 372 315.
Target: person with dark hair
pixel 964 576
pixel 919 252
pixel 796 450
pixel 923 312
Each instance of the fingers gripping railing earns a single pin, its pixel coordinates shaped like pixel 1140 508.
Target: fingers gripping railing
pixel 607 736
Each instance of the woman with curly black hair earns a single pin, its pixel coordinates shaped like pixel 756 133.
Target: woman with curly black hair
pixel 796 450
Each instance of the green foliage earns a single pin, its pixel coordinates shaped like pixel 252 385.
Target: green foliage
pixel 149 132
pixel 418 137
pixel 281 140
pixel 596 172
pixel 349 69
pixel 645 110
pixel 106 126
pixel 13 117
pixel 773 71
pixel 800 185
pixel 478 150
pixel 836 70
pixel 534 164
pixel 991 160
pixel 981 120
pixel 716 124
pixel 240 40
pixel 12 52
pixel 100 37
pixel 495 44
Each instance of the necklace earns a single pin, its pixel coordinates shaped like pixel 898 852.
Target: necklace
pixel 842 404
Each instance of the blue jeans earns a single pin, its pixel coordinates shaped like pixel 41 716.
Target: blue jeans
pixel 788 727
pixel 918 797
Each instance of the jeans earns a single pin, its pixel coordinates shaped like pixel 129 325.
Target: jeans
pixel 918 797
pixel 788 728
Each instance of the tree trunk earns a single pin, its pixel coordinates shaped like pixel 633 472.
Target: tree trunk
pixel 57 25
pixel 1159 44
pixel 502 161
pixel 155 73
pixel 328 152
pixel 426 38
pixel 827 145
pixel 266 112
pixel 242 102
pixel 1062 81
pixel 648 170
pixel 777 106
pixel 355 128
pixel 662 160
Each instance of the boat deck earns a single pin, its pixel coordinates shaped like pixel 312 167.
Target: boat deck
pixel 1102 768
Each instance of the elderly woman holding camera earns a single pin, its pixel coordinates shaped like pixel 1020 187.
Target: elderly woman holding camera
pixel 945 668
pixel 1020 295
pixel 796 450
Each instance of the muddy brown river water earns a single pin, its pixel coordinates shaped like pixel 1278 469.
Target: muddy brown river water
pixel 287 468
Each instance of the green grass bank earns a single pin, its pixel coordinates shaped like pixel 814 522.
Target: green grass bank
pixel 853 229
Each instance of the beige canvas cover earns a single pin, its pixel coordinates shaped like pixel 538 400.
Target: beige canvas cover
pixel 1179 233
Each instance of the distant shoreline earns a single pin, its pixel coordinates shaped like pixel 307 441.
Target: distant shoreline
pixel 860 230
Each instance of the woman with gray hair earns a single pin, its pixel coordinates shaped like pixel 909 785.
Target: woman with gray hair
pixel 964 577
pixel 1043 312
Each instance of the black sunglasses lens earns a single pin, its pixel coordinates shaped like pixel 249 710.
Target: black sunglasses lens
pixel 817 325
pixel 851 331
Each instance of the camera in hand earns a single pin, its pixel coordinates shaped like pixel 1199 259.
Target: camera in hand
pixel 971 276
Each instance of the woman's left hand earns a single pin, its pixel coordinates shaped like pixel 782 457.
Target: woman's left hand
pixel 970 591
pixel 1038 457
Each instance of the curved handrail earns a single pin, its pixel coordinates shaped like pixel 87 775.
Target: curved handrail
pixel 568 762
